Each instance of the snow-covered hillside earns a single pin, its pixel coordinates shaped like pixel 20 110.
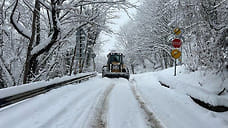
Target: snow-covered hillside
pixel 140 102
pixel 173 106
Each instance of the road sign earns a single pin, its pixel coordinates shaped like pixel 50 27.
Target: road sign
pixel 177 31
pixel 175 53
pixel 176 43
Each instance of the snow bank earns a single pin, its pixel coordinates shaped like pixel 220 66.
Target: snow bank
pixel 174 109
pixel 197 92
pixel 202 85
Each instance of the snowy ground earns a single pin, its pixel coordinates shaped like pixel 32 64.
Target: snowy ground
pixel 123 110
pixel 112 103
pixel 175 109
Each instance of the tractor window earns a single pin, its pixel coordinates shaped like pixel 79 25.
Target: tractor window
pixel 114 58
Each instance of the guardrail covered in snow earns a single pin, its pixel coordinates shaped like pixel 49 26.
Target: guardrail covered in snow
pixel 18 93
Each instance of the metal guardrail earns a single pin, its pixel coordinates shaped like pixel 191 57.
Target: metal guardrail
pixel 28 94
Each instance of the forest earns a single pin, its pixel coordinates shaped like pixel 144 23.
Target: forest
pixel 147 39
pixel 44 39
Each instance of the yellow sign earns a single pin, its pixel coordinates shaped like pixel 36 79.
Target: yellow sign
pixel 176 53
pixel 177 31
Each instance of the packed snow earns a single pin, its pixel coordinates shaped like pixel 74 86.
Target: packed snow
pixel 65 107
pixel 104 102
pixel 124 111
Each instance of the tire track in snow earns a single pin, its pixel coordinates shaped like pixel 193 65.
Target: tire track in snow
pixel 99 121
pixel 153 122
pixel 67 106
pixel 90 109
pixel 49 100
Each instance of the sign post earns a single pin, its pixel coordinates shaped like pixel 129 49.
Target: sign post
pixel 175 67
pixel 175 52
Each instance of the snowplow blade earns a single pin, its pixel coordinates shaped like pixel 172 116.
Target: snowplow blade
pixel 116 75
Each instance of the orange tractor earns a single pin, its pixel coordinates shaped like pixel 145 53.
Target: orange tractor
pixel 115 67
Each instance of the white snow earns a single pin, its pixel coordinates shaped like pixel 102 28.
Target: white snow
pixel 45 4
pixel 201 85
pixel 21 27
pixel 42 45
pixel 173 107
pixel 79 105
pixel 66 107
pixel 124 111
pixel 5 92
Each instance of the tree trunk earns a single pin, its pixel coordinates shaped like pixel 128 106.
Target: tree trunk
pixel 1 30
pixel 54 36
pixel 94 65
pixel 28 60
pixel 1 78
pixel 7 71
pixel 72 59
pixel 1 43
pixel 34 62
pixel 132 68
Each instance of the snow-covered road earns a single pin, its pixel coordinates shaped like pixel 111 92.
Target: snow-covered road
pixel 110 103
pixel 123 109
pixel 66 107
pixel 97 103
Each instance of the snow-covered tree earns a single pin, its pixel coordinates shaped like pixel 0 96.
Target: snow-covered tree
pixel 39 36
pixel 204 33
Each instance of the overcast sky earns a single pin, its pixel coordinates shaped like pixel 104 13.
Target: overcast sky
pixel 110 39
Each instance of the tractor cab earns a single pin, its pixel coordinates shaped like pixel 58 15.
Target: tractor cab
pixel 115 67
pixel 114 58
